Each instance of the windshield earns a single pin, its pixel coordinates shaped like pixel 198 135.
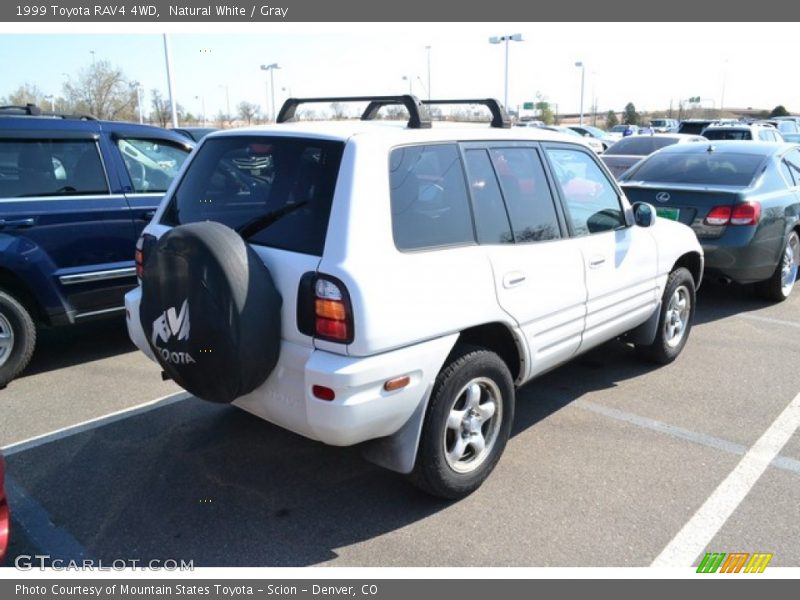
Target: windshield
pixel 706 168
pixel 276 190
pixel 640 145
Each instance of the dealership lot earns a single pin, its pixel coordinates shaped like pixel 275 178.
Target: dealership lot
pixel 609 458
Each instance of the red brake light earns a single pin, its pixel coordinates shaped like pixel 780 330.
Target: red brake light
pixel 143 246
pixel 746 214
pixel 719 215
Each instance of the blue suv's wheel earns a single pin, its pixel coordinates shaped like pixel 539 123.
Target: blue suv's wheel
pixel 17 338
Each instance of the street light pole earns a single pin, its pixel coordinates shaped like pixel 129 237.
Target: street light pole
pixel 515 37
pixel 410 81
pixel 227 99
pixel 428 48
pixel 271 68
pixel 583 73
pixel 170 85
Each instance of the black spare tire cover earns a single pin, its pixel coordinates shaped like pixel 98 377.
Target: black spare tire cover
pixel 210 311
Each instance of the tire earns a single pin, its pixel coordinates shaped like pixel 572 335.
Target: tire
pixel 778 287
pixel 675 319
pixel 472 377
pixel 17 338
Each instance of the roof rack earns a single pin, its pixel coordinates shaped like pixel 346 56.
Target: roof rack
pixel 500 118
pixel 31 110
pixel 418 114
pixel 419 117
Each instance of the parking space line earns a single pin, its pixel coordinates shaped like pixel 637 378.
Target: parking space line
pixel 781 462
pixel 698 532
pixel 71 430
pixel 32 517
pixel 772 320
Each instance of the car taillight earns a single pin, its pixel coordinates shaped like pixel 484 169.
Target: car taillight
pixel 719 215
pixel 143 245
pixel 323 309
pixel 746 214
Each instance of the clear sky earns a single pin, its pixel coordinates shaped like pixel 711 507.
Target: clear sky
pixel 648 64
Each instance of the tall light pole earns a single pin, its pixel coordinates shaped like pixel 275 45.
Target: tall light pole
pixel 271 68
pixel 428 48
pixel 410 82
pixel 583 74
pixel 202 99
pixel 137 86
pixel 92 53
pixel 52 99
pixel 515 37
pixel 724 78
pixel 227 99
pixel 170 85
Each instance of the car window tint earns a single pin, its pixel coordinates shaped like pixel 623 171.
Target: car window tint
pixel 239 181
pixel 640 145
pixel 727 134
pixel 527 194
pixel 151 164
pixel 491 218
pixel 429 199
pixel 50 167
pixel 791 167
pixel 592 202
pixel 707 168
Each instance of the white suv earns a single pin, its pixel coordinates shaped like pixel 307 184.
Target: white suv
pixel 390 284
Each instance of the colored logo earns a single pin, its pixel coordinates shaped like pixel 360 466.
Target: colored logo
pixel 735 562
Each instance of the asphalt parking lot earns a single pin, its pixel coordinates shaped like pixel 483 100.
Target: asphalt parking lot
pixel 609 459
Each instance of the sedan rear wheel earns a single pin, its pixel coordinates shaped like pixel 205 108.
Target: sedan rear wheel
pixel 780 285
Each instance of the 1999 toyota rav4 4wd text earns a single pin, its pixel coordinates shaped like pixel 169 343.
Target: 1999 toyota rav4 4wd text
pixel 391 284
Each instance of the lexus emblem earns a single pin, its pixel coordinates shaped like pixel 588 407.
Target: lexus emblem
pixel 662 196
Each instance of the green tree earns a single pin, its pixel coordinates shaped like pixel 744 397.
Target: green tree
pixel 779 111
pixel 545 111
pixel 631 117
pixel 611 119
pixel 102 91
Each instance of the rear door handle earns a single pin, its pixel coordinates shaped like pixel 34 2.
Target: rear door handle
pixel 17 223
pixel 513 279
pixel 596 262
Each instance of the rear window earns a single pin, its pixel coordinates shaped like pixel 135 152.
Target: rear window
pixel 430 206
pixel 640 145
pixel 277 191
pixel 693 128
pixel 709 169
pixel 727 134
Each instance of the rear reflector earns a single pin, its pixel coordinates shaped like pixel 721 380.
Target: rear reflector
pixel 323 393
pixel 397 383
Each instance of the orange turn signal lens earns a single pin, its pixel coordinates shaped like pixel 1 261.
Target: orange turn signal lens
pixel 397 383
pixel 330 309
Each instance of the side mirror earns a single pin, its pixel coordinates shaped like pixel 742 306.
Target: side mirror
pixel 644 214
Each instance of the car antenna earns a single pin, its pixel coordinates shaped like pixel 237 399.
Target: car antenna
pixel 710 148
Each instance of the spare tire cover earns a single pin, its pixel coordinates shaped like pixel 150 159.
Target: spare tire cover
pixel 210 311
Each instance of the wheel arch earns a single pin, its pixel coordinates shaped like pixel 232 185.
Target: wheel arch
pixel 16 286
pixel 693 262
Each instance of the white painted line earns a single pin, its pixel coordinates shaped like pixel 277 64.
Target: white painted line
pixel 64 432
pixel 782 322
pixel 695 535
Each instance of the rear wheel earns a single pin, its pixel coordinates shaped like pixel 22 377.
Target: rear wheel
pixel 780 285
pixel 675 319
pixel 467 424
pixel 17 338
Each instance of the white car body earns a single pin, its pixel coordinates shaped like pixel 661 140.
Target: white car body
pixel 555 299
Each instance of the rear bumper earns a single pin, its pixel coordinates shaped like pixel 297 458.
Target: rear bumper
pixel 361 410
pixel 740 256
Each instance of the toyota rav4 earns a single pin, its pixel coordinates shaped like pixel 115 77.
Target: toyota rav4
pixel 390 284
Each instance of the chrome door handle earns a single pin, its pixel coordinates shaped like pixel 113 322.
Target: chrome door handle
pixel 596 261
pixel 513 279
pixel 17 224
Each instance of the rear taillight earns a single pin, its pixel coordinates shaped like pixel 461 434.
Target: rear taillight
pixel 143 245
pixel 747 213
pixel 323 309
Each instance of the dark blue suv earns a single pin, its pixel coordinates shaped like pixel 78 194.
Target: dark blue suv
pixel 75 194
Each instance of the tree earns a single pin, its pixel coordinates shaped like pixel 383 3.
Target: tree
pixel 102 91
pixel 611 119
pixel 339 111
pixel 631 117
pixel 161 113
pixel 544 110
pixel 247 111
pixel 27 93
pixel 779 111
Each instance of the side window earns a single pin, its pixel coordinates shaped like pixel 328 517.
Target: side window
pixel 530 204
pixel 592 203
pixel 791 167
pixel 50 167
pixel 491 219
pixel 765 135
pixel 151 164
pixel 429 199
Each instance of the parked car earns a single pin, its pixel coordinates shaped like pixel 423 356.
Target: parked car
pixel 629 151
pixel 594 144
pixel 786 125
pixel 664 125
pixel 596 133
pixel 74 195
pixel 743 131
pixel 5 517
pixel 742 199
pixel 695 126
pixel 195 133
pixel 621 131
pixel 391 284
pixel 529 123
pixel 793 138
